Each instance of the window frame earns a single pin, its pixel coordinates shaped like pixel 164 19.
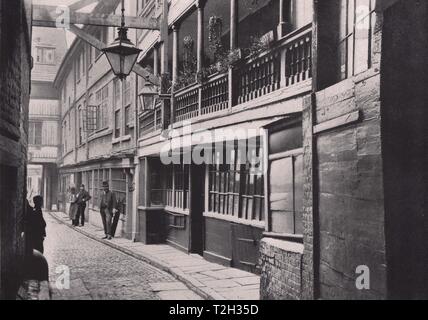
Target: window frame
pixel 40 52
pixel 127 111
pixel 33 136
pixel 290 150
pixel 220 192
pixel 101 108
pixel 349 52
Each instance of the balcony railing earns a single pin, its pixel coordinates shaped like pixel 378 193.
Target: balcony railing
pixel 151 121
pixel 259 76
pixel 215 95
pixel 187 103
pixel 285 64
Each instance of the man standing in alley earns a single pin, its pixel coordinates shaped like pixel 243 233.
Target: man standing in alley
pixel 82 197
pixel 108 206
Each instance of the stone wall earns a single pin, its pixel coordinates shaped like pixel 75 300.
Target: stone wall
pixel 15 48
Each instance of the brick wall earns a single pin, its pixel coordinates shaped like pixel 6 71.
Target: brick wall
pixel 281 265
pixel 15 50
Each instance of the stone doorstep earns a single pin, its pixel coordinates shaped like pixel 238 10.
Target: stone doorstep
pixel 205 288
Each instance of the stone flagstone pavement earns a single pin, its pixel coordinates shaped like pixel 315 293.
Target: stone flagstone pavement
pixel 209 280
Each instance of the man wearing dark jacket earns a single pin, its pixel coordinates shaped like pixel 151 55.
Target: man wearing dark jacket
pixel 82 197
pixel 108 207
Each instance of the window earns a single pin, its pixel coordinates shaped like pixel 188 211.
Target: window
pixel 356 24
pixel 99 176
pixel 128 120
pixel 117 92
pixel 35 133
pixel 117 106
pixel 64 136
pixel 101 97
pixel 88 55
pixel 80 125
pixel 118 185
pixel 45 55
pixel 77 69
pixel 177 186
pixel 127 93
pixel 82 63
pixel 128 114
pixel 90 188
pixel 97 187
pixel 117 123
pixel 236 185
pixel 286 180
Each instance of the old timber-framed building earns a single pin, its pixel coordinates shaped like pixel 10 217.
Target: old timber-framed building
pixel 299 111
pixel 97 121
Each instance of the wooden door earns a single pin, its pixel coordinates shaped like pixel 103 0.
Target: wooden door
pixel 245 247
pixel 197 198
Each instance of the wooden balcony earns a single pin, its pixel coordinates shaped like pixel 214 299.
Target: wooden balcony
pixel 150 122
pixel 286 64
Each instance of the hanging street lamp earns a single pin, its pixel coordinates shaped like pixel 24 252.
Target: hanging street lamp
pixel 122 53
pixel 148 96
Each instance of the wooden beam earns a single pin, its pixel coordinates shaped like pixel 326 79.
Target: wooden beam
pixel 346 119
pixel 146 75
pixel 82 34
pixel 81 4
pixel 48 16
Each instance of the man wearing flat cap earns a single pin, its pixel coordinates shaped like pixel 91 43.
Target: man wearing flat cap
pixel 108 208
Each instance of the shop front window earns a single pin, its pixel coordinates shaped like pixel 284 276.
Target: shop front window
pixel 236 185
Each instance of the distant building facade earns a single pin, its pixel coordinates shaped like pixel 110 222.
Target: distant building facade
pixel 48 49
pixel 97 122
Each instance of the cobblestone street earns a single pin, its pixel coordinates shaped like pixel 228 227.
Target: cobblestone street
pixel 100 272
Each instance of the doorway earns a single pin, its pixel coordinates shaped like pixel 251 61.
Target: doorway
pixel 197 200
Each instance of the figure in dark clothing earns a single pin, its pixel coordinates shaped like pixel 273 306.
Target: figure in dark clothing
pixel 72 211
pixel 36 225
pixel 82 197
pixel 108 207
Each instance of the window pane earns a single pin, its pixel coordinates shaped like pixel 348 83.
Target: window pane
pixel 362 35
pixel 343 30
pixel 281 196
pixel 298 193
pixel 288 139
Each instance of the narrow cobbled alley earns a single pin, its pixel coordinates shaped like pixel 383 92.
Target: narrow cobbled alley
pixel 97 271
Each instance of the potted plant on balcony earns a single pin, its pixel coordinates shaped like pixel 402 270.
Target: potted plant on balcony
pixel 216 49
pixel 188 75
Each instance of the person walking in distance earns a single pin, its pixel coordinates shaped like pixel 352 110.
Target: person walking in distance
pixel 82 197
pixel 108 206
